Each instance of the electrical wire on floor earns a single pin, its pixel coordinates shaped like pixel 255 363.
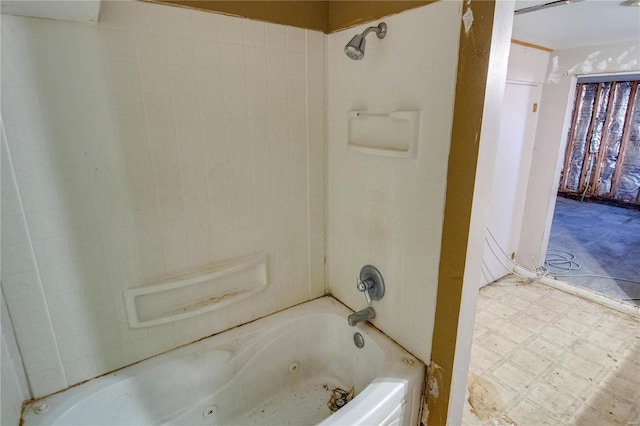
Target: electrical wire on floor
pixel 537 273
pixel 498 258
pixel 558 263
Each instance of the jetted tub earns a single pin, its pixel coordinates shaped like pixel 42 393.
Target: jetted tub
pixel 280 370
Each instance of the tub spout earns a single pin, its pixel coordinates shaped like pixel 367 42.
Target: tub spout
pixel 365 314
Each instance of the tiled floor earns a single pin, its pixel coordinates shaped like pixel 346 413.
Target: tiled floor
pixel 541 356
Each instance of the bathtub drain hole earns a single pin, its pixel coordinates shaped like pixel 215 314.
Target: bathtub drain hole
pixel 210 411
pixel 339 398
pixel 358 340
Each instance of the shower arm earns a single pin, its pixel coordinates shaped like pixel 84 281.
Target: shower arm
pixel 355 48
pixel 380 30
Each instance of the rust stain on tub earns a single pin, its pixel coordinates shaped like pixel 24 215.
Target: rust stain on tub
pixel 409 361
pixel 339 398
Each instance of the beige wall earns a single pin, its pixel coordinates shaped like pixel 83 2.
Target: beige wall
pixel 389 211
pixel 345 13
pixel 311 14
pixel 151 144
pixel 323 15
pixel 482 68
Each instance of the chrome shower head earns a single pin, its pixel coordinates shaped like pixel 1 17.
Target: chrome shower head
pixel 355 48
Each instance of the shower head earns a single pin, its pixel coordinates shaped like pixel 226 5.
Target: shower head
pixel 355 48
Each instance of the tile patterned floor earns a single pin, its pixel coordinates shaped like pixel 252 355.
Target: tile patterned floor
pixel 541 356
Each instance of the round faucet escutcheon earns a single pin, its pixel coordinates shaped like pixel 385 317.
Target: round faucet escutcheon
pixel 371 283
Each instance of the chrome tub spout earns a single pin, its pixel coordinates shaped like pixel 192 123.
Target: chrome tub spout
pixel 365 314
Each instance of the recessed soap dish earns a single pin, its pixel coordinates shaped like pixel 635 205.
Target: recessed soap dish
pixel 391 134
pixel 187 295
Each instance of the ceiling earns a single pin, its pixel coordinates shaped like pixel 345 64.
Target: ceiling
pixel 584 23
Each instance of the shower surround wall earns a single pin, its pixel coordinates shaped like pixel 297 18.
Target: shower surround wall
pixel 13 381
pixel 154 143
pixel 389 211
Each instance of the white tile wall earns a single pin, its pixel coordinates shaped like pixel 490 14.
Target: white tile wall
pixel 154 143
pixel 13 380
pixel 387 211
pixel 21 283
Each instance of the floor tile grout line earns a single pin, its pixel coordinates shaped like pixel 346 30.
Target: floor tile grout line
pixel 567 321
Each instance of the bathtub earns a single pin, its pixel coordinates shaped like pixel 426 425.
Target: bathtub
pixel 279 370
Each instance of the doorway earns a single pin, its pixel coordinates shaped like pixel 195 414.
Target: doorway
pixel 595 233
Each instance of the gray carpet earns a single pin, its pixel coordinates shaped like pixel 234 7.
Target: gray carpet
pixel 605 241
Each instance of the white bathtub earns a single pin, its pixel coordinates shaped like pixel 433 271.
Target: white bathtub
pixel 280 370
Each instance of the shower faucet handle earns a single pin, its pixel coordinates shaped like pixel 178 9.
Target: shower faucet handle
pixel 364 287
pixel 371 283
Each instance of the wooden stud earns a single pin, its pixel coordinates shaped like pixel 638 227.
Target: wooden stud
pixel 623 140
pixel 603 143
pixel 534 46
pixel 569 148
pixel 587 151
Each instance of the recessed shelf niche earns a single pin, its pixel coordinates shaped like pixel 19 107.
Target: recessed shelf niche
pixel 187 295
pixel 390 134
